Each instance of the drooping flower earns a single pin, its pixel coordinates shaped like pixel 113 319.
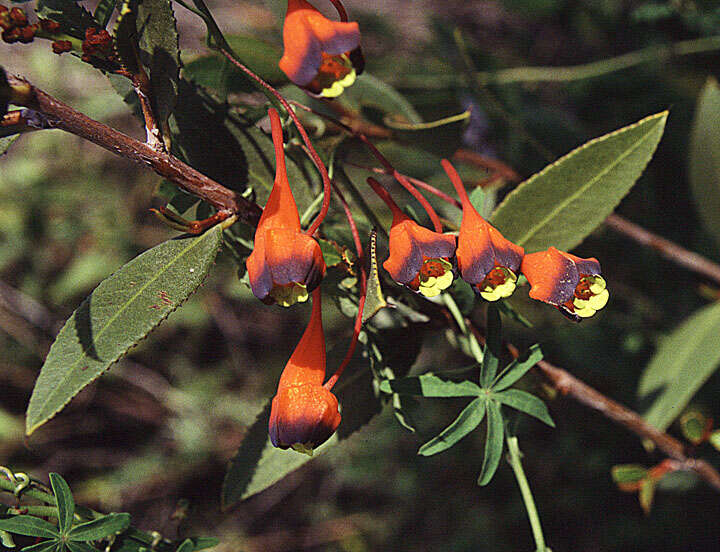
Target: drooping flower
pixel 304 413
pixel 321 56
pixel 572 284
pixel 487 261
pixel 286 264
pixel 419 258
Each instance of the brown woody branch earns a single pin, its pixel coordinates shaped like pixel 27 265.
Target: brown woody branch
pixel 56 114
pixel 570 386
pixel 670 250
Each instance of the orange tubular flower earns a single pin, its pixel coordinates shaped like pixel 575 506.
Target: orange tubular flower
pixel 321 56
pixel 572 284
pixel 304 413
pixel 286 264
pixel 487 261
pixel 419 258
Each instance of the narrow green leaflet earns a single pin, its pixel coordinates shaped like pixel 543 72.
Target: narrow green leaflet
pixel 47 546
pixel 568 199
pixel 493 443
pixel 429 385
pixel 100 528
pixel 186 546
pixel 469 419
pixel 628 473
pixel 683 362
pixel 121 311
pixel 525 402
pixel 65 502
pixel 493 347
pixel 29 526
pixel 374 300
pixel 705 157
pixel 518 368
pixel 159 53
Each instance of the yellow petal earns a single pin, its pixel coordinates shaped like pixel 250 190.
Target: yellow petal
pixel 444 281
pixel 597 285
pixel 585 312
pixel 600 300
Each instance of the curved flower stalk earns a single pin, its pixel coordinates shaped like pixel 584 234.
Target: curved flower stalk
pixel 304 413
pixel 419 258
pixel 286 264
pixel 321 56
pixel 572 284
pixel 487 261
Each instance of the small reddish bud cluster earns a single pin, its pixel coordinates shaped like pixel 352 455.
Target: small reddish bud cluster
pixel 98 44
pixel 61 46
pixel 14 24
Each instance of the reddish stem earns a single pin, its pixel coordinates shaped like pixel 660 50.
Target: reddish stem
pixel 456 182
pixel 363 294
pixel 277 138
pixel 341 10
pixel 385 196
pixel 327 187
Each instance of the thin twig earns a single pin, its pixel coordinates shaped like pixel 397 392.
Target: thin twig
pixel 670 250
pixel 56 114
pixel 570 386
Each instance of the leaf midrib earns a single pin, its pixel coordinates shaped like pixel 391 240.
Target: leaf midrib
pixel 114 317
pixel 590 183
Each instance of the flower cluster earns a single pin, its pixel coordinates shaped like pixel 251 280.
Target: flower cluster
pixel 422 260
pixel 323 57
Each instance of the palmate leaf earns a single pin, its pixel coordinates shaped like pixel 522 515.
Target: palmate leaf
pixel 682 363
pixel 29 526
pixel 563 203
pixel 100 528
pixel 525 402
pixel 469 419
pixel 80 547
pixel 705 157
pixel 65 502
pixel 493 443
pixel 121 311
pixel 429 385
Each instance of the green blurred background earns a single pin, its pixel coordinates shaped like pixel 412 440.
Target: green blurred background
pixel 161 426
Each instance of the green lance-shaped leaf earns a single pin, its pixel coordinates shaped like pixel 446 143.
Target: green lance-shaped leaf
pixel 683 362
pixel 469 419
pixel 518 368
pixel 65 502
pixel 527 403
pixel 493 443
pixel 625 474
pixel 429 385
pixel 121 311
pixel 563 203
pixel 374 300
pixel 372 92
pixel 29 526
pixel 159 53
pixel 100 528
pixel 186 546
pixel 705 157
pixel 258 465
